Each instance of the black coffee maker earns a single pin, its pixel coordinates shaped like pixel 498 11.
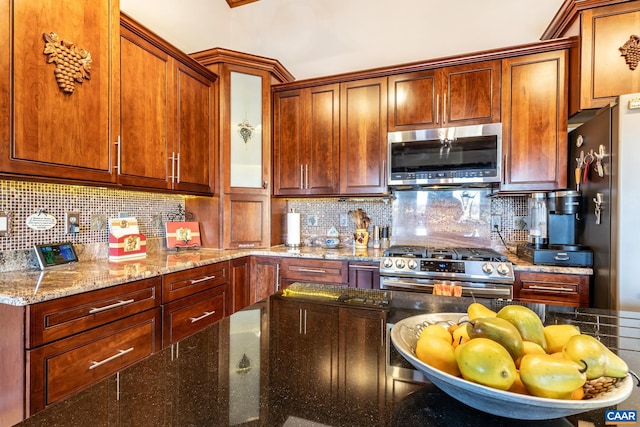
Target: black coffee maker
pixel 563 249
pixel 564 215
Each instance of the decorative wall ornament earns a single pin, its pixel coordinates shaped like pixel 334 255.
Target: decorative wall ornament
pixel 631 51
pixel 245 130
pixel 73 64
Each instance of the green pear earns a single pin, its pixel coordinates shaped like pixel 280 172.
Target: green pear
pixel 599 359
pixel 526 321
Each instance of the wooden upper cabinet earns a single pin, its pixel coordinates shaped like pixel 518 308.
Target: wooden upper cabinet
pixel 306 141
pixel 363 136
pixel 604 73
pixel 600 71
pixel 534 121
pixel 471 94
pixel 194 143
pixel 145 131
pixel 449 96
pixel 167 120
pixel 52 133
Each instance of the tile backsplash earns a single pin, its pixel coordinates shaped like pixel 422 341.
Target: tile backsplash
pixel 442 217
pixel 20 199
pixel 419 217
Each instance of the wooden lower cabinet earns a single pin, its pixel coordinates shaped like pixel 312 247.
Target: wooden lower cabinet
pixel 552 288
pixel 58 369
pixel 188 315
pixel 193 299
pixel 239 278
pixel 364 275
pixel 334 367
pixel 265 277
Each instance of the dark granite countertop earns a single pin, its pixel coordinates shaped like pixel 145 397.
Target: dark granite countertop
pixel 272 365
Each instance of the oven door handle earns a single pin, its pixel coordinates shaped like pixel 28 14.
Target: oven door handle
pixel 389 283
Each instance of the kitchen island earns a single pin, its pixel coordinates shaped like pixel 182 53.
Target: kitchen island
pixel 291 358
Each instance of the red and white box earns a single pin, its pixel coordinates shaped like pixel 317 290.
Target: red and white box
pixel 183 235
pixel 125 241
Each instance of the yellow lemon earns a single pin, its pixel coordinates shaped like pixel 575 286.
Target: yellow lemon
pixel 436 352
pixel 460 335
pixel 438 331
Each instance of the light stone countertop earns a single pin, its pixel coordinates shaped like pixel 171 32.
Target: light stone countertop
pixel 21 288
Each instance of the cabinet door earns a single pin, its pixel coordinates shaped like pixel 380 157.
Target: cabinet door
pixel 471 94
pixel 364 275
pixel 363 136
pixel 246 219
pixel 604 73
pixel 362 344
pixel 289 156
pixel 192 168
pixel 321 171
pixel 534 122
pixel 53 133
pixel 306 141
pixel 265 277
pixel 245 116
pixel 239 271
pixel 145 122
pixel 412 100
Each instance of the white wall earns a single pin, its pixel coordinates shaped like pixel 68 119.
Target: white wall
pixel 314 38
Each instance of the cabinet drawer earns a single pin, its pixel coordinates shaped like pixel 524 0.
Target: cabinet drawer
pixel 563 289
pixel 188 282
pixel 327 271
pixel 61 368
pixel 191 314
pixel 52 320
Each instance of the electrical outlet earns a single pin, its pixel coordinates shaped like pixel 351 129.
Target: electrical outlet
pixel 520 222
pixel 496 222
pixel 312 220
pixel 72 222
pixel 157 220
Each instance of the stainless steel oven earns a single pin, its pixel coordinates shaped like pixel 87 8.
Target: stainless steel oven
pixel 477 272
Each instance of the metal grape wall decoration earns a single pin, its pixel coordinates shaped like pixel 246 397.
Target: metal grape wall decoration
pixel 73 64
pixel 631 51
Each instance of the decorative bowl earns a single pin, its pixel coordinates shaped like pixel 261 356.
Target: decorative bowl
pixel 487 399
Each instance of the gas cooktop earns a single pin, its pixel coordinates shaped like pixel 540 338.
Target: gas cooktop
pixel 465 254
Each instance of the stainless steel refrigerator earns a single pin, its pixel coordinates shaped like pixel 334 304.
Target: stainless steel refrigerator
pixel 610 223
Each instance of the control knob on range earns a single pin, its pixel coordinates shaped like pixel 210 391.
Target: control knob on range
pixel 400 263
pixel 412 264
pixel 387 263
pixel 503 268
pixel 487 268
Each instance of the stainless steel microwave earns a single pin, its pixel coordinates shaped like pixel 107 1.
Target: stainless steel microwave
pixel 445 156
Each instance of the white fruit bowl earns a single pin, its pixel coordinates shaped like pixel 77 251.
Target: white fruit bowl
pixel 487 399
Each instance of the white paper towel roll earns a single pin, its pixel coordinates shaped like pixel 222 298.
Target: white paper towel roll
pixel 293 228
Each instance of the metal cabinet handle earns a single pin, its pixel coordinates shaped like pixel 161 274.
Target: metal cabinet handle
pixel 311 270
pixel 173 166
pixel 109 359
pixel 368 267
pixel 246 245
pixel 110 306
pixel 438 108
pixel 178 174
pixel 300 321
pixel 306 176
pixel 119 155
pixel 550 288
pixel 444 108
pixel 206 314
pixel 277 277
pixel 203 279
pixel 301 177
